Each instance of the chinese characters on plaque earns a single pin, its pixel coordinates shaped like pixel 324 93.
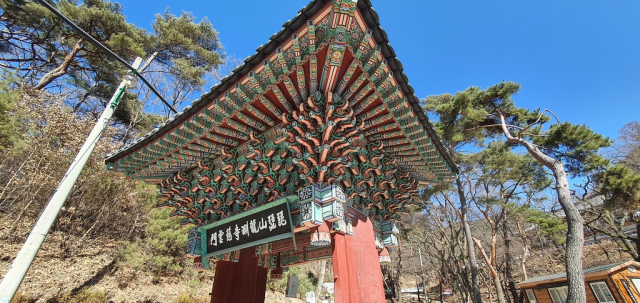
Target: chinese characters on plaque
pixel 263 224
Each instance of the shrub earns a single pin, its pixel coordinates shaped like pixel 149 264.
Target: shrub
pixel 22 298
pixel 9 118
pixel 187 298
pixel 103 205
pixel 83 296
pixel 307 280
pixel 162 247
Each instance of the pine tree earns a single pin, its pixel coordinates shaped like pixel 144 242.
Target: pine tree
pixel 627 146
pixel 47 53
pixel 474 115
pixel 10 130
pixel 500 181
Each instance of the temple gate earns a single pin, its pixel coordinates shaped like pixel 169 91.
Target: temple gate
pixel 308 151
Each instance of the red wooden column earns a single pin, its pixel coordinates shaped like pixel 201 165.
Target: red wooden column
pixel 241 282
pixel 354 287
pixel 367 262
pixel 341 265
pixel 261 286
pixel 246 279
pixel 222 283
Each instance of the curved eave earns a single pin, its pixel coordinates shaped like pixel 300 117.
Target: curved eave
pixel 371 19
pixel 237 74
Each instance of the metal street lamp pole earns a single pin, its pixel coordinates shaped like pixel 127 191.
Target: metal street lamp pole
pixel 13 278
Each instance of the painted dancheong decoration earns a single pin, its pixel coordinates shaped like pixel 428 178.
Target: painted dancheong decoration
pixel 322 121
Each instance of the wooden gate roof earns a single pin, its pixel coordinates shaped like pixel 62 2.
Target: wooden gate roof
pixel 282 74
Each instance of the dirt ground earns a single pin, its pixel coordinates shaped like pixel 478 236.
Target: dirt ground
pixel 52 275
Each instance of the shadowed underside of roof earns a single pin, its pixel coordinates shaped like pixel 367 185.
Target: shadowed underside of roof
pixel 325 101
pixel 177 145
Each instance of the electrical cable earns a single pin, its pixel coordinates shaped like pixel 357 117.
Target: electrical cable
pixel 104 48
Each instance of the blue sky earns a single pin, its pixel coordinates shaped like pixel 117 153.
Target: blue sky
pixel 580 59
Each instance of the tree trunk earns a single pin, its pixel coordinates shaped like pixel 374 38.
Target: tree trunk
pixel 507 256
pixel 323 270
pixel 618 233
pixel 473 263
pixel 575 223
pixel 494 274
pixel 575 237
pixel 525 251
pixel 60 70
pixel 14 225
pixel 389 277
pixel 13 177
pixel 442 275
pixel 398 287
pixel 636 240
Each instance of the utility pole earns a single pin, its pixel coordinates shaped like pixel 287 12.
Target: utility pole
pixel 21 264
pixel 424 285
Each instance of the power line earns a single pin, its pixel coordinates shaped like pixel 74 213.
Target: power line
pixel 104 48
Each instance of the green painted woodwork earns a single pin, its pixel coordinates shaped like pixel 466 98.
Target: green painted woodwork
pixel 390 240
pixel 202 230
pixel 290 125
pixel 283 160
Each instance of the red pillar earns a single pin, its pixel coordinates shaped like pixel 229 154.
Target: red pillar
pixel 241 282
pixel 340 270
pixel 246 278
pixel 345 278
pixel 215 289
pixel 367 262
pixel 261 286
pixel 354 290
pixel 222 283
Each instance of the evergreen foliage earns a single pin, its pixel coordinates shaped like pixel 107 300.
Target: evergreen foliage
pixel 161 249
pixel 307 280
pixel 35 33
pixel 475 116
pixel 43 48
pixel 547 224
pixel 620 183
pixel 47 53
pixel 39 136
pixel 621 187
pixel 575 145
pixel 627 146
pixel 42 130
pixel 499 165
pixel 467 117
pixel 9 118
pixel 103 205
pixel 190 49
